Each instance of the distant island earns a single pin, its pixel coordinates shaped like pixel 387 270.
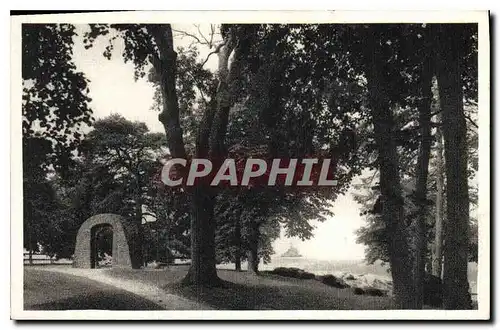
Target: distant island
pixel 291 253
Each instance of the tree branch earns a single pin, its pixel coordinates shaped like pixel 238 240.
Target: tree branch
pixel 201 34
pixel 212 32
pixel 184 34
pixel 373 176
pixel 471 121
pixel 471 102
pixel 217 50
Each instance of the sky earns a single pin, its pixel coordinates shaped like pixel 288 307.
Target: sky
pixel 114 91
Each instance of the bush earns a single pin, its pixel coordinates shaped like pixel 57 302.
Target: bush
pixel 307 276
pixel 374 292
pixel 369 292
pixel 331 280
pixel 293 272
pixel 358 291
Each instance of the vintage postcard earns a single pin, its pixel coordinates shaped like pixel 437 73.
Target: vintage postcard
pixel 320 165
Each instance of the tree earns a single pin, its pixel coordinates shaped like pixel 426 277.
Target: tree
pixel 85 190
pixel 450 68
pixel 404 54
pixel 390 185
pixel 40 211
pixel 468 77
pixel 168 236
pixel 291 113
pixel 374 235
pixel 437 266
pixel 54 113
pixel 423 79
pixel 237 216
pixel 112 174
pixel 152 44
pixel 55 95
pixel 280 110
pixel 130 152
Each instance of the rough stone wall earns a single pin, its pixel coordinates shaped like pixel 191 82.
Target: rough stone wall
pixel 121 253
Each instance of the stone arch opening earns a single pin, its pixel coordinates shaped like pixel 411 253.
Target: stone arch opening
pixel 85 255
pixel 101 246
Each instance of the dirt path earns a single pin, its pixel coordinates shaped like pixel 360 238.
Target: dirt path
pixel 146 291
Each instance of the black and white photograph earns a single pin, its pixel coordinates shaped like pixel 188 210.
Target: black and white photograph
pixel 250 165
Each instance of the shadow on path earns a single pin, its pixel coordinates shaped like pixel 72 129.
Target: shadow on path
pixel 57 291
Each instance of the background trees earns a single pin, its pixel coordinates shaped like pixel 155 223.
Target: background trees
pixel 114 173
pixel 130 153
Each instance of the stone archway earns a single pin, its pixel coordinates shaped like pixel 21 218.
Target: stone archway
pixel 123 256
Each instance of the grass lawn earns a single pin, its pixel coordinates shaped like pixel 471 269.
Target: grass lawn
pixel 56 291
pixel 243 291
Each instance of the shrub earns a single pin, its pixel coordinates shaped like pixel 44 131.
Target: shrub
pixel 358 291
pixel 293 272
pixel 369 292
pixel 374 292
pixel 331 280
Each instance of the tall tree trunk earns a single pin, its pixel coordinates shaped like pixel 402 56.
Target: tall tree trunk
pixel 203 224
pixel 449 71
pixel 437 261
pixel 210 142
pixel 203 264
pixel 237 242
pixel 253 248
pixel 422 174
pixel 203 268
pixel 390 186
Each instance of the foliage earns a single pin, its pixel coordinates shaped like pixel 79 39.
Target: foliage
pixel 374 235
pixel 55 95
pixel 55 112
pixel 168 236
pixel 115 174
